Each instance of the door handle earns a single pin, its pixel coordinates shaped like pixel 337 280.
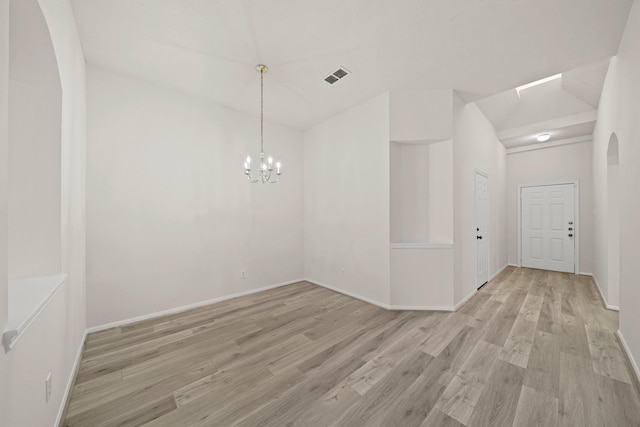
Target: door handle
pixel 479 237
pixel 570 234
pixel 570 228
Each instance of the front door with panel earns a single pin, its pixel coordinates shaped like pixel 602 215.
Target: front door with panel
pixel 548 227
pixel 482 229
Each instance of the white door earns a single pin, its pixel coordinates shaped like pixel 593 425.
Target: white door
pixel 548 227
pixel 482 229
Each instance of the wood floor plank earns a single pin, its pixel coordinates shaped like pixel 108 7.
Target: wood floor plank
pixel 382 400
pixel 543 369
pixel 579 402
pixel 536 409
pixel 438 418
pixel 619 404
pixel 461 395
pixel 531 348
pixel 499 400
pixel 607 357
pixel 498 329
pixel 573 336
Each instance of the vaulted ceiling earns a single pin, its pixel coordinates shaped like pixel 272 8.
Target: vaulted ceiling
pixel 209 48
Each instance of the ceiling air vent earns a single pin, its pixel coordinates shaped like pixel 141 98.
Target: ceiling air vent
pixel 336 75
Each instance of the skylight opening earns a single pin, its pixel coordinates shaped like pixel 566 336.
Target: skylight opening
pixel 537 82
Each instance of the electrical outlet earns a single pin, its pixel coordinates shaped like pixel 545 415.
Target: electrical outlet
pixel 47 384
pixel 243 274
pixel 344 273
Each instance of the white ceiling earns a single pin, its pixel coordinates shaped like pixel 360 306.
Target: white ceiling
pixel 209 48
pixel 565 108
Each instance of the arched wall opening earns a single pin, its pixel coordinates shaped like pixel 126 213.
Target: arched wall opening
pixel 35 108
pixel 613 221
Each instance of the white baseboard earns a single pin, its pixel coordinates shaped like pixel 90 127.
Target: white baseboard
pixel 604 300
pixel 70 381
pixel 349 294
pixel 513 265
pixel 465 299
pixel 187 307
pixel 421 308
pixel 493 276
pixel 627 351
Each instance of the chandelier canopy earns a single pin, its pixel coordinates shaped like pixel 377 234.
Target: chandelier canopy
pixel 265 169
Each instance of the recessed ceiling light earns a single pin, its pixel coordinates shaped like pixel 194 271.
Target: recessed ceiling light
pixel 543 137
pixel 537 82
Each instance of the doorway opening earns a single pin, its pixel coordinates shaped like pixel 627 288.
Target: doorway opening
pixel 482 229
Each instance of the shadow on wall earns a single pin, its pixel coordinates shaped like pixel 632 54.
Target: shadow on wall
pixel 613 221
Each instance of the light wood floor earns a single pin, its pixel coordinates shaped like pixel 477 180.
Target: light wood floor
pixel 531 348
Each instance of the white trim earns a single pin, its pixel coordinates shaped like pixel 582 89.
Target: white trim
pixel 544 145
pixel 512 265
pixel 425 245
pixel 604 300
pixel 187 307
pixel 72 377
pixel 475 217
pixel 464 300
pixel 17 326
pixel 349 294
pixel 548 125
pixel 627 351
pixel 421 308
pixel 576 220
pixel 493 276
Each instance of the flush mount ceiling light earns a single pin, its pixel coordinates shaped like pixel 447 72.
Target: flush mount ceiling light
pixel 537 82
pixel 543 137
pixel 265 169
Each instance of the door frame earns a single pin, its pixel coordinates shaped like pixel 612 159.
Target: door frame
pixel 475 211
pixel 576 220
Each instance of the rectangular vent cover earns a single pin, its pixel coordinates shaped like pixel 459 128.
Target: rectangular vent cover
pixel 336 75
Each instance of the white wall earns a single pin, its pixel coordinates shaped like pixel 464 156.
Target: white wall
pixel 346 201
pixel 564 163
pixel 421 192
pixel 52 342
pixel 409 168
pixel 170 213
pixel 476 147
pixel 440 170
pixel 416 115
pixel 422 278
pixel 619 113
pixel 5 387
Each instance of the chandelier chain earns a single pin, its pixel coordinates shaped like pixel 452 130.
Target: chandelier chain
pixel 262 111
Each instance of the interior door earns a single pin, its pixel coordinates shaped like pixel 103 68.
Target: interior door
pixel 482 229
pixel 548 227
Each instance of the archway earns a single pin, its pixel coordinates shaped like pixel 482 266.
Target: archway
pixel 35 108
pixel 613 221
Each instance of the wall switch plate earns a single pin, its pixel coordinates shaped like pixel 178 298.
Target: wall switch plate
pixel 47 384
pixel 344 273
pixel 243 274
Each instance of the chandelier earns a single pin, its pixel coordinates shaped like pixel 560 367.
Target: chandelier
pixel 265 169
